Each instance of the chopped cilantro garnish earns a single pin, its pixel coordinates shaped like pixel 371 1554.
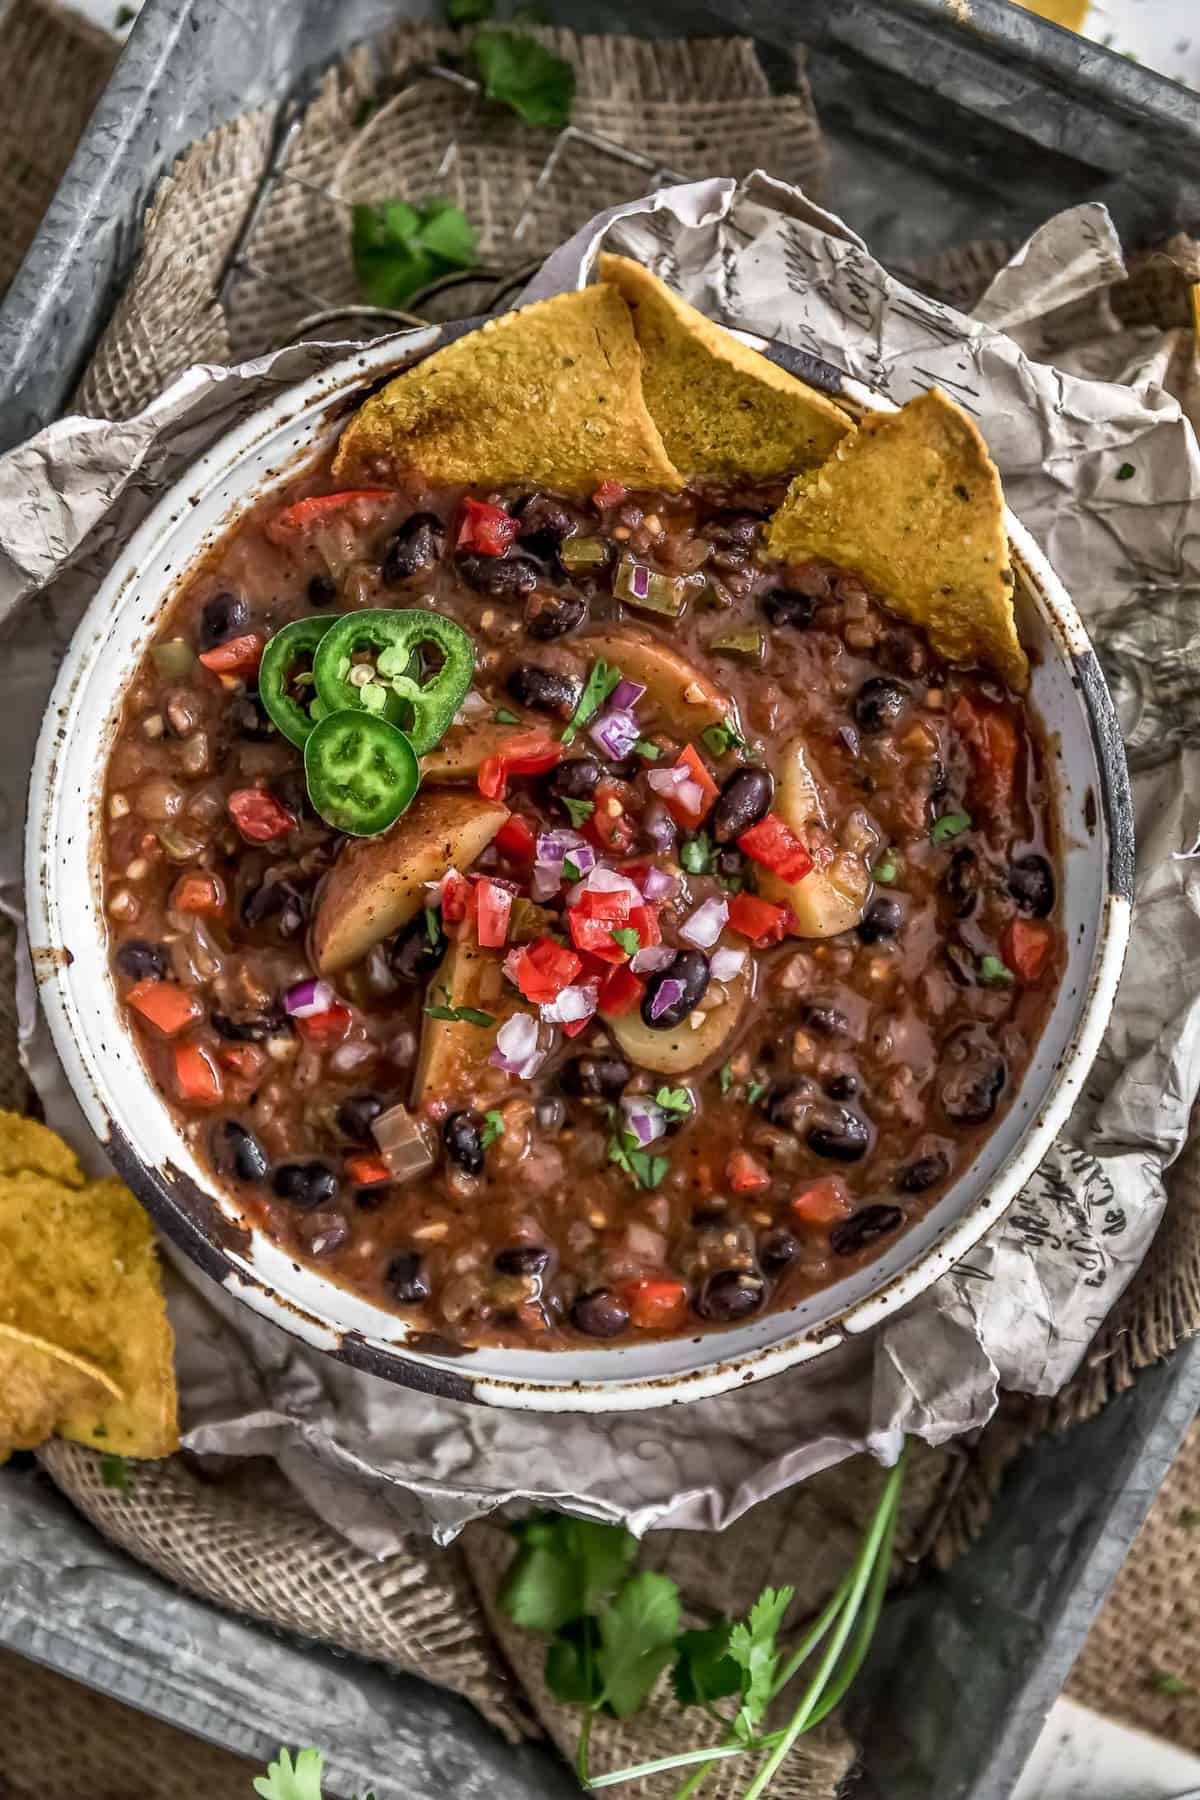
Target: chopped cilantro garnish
pixel 1126 472
pixel 433 929
pixel 676 1101
pixel 601 681
pixel 114 1473
pixel 465 1015
pixel 646 750
pixel 885 869
pixel 996 973
pixel 503 716
pixel 493 1128
pixel 627 937
pixel 726 1077
pixel 696 854
pixel 570 871
pixel 950 825
pixel 755 1092
pixel 722 737
pixel 578 810
pixel 644 1170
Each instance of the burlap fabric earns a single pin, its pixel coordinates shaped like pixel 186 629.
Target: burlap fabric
pixel 371 133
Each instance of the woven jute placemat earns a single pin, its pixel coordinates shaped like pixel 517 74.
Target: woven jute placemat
pixel 375 131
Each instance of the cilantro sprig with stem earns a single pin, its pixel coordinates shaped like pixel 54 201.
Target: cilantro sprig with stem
pixel 298 1780
pixel 613 1631
pixel 400 247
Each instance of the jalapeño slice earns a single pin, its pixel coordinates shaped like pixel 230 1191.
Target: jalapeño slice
pixel 364 662
pixel 288 654
pixel 361 771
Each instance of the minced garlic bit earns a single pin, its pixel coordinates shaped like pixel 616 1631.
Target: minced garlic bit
pixel 153 726
pixel 694 694
pixel 138 869
pixel 123 904
pixel 118 806
pixel 432 1233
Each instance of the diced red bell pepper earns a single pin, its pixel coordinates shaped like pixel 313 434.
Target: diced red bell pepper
pixel 528 753
pixel 258 815
pixel 654 1305
pixel 543 969
pixel 609 493
pixel 689 817
pixel 991 739
pixel 365 1170
pixel 169 1008
pixel 644 920
pixel 593 920
pixel 486 529
pixel 573 1027
pixel 244 1060
pixel 620 992
pixel 745 1174
pixel 1026 947
pixel 456 898
pixel 493 905
pixel 329 1027
pixel 609 825
pixel 303 516
pixel 776 846
pixel 516 839
pixel 202 894
pixel 822 1202
pixel 197 1077
pixel 759 920
pixel 236 656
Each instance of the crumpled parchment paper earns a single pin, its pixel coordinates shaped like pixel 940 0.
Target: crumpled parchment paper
pixel 375 1459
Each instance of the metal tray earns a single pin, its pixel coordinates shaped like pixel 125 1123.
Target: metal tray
pixel 942 128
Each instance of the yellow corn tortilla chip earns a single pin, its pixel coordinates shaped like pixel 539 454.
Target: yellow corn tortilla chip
pixel 79 1269
pixel 913 503
pixel 550 394
pixel 40 1386
pixel 722 409
pixel 26 1145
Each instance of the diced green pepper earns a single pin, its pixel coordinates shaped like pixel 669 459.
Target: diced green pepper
pixel 739 643
pixel 652 592
pixel 175 657
pixel 583 552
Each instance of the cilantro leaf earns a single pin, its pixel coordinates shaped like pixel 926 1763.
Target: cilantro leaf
pixel 570 870
pixel 115 1473
pixel 995 973
pixel 677 1101
pixel 433 927
pixel 572 1667
pixel 754 1647
pixel 646 750
pixel 503 716
pixel 523 74
pixel 578 810
pixel 493 1129
pixel 755 1092
pixel 950 825
pixel 704 1669
pixel 398 248
pixel 644 1170
pixel 288 1780
pixel 469 12
pixel 602 679
pixel 722 737
pixel 464 1015
pixel 1126 472
pixel 627 937
pixel 565 1569
pixel 637 1640
pixel 696 854
pixel 726 1077
pixel 885 869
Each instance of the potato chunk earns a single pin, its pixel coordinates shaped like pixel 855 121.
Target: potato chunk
pixel 684 1046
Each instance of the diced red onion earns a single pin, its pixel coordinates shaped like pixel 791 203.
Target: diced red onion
pixel 690 796
pixel 669 993
pixel 668 781
pixel 658 827
pixel 603 880
pixel 615 732
pixel 645 1119
pixel 625 695
pixel 402 1144
pixel 473 705
pixel 639 581
pixel 571 1004
pixel 545 881
pixel 350 1056
pixel 726 964
pixel 654 956
pixel 308 998
pixel 553 846
pixel 518 1051
pixel 658 884
pixel 706 924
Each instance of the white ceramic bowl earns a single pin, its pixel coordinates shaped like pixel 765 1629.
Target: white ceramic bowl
pixel 101 1060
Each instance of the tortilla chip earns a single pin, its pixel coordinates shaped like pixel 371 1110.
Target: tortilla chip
pixel 25 1145
pixel 40 1386
pixel 551 395
pixel 79 1270
pixel 722 409
pixel 913 503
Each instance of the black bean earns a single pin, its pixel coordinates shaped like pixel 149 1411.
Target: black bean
pixel 863 1228
pixel 291 790
pixel 777 1249
pixel 690 969
pixel 416 952
pixel 522 1259
pixel 323 1233
pixel 407 1279
pixel 462 1134
pixel 416 546
pixel 826 1021
pixel 962 882
pixel 840 1134
pixel 737 532
pixel 729 1295
pixel 576 779
pixel 717 1213
pixel 595 1077
pixel 356 1115
pixel 599 1314
pixel 140 959
pixel 236 1151
pixel 550 615
pixel 545 523
pixel 224 616
pixel 882 919
pixel 322 591
pixel 787 1106
pixel 786 606
pixel 249 718
pixel 305 1184
pixel 252 1028
pixel 923 1172
pixel 1031 884
pixel 545 690
pixel 499 577
pixel 879 703
pixel 280 901
pixel 745 797
pixel 970 1093
pixel 842 1087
